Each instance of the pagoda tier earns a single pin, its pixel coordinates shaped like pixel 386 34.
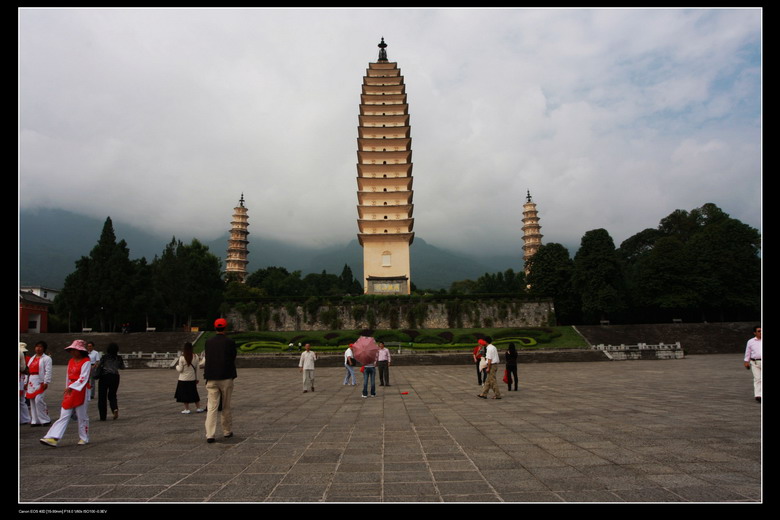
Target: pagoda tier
pixel 384 179
pixel 532 238
pixel 236 259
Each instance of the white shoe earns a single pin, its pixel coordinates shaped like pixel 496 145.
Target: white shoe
pixel 200 410
pixel 82 442
pixel 186 411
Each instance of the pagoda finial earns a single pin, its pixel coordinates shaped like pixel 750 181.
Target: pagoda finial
pixel 528 197
pixel 382 52
pixel 241 200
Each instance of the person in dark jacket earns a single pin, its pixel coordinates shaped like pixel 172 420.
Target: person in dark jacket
pixel 511 365
pixel 219 371
pixel 108 383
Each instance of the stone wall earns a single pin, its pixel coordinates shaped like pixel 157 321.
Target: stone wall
pixel 392 314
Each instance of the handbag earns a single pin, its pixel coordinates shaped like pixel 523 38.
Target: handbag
pixel 98 370
pixel 506 376
pixel 482 364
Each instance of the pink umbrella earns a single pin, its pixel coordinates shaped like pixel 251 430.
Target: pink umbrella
pixel 365 350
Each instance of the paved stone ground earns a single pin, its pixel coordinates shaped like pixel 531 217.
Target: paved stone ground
pixel 626 431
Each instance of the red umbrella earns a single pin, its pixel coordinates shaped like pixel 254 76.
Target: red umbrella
pixel 365 350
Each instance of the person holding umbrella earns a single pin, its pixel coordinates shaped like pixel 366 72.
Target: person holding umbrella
pixel 365 351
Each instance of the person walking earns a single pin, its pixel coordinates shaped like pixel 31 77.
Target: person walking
pixel 108 381
pixel 94 357
pixel 753 357
pixel 349 364
pixel 187 385
pixel 219 371
pixel 38 381
pixel 511 366
pixel 369 372
pixel 383 365
pixel 477 357
pixel 491 354
pixel 306 366
pixel 75 398
pixel 24 371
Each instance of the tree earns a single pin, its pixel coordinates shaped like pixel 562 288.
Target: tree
pixel 597 276
pixel 349 284
pixel 726 267
pixel 550 275
pixel 188 279
pixel 702 260
pixel 73 300
pixel 662 279
pixel 101 286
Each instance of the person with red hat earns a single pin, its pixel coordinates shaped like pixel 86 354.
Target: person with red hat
pixel 219 362
pixel 75 398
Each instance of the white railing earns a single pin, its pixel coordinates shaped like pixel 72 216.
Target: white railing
pixel 641 346
pixel 642 351
pixel 150 355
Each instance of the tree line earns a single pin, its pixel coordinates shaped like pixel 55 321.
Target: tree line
pixel 182 287
pixel 700 265
pixel 697 266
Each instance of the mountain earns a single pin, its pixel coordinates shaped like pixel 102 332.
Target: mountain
pixel 50 242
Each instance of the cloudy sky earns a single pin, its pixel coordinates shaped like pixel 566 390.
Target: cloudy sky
pixel 612 118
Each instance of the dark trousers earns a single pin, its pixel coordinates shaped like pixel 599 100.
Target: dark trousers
pixel 481 375
pixel 107 387
pixel 511 373
pixel 384 372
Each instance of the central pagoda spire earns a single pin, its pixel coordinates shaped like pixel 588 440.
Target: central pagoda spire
pixel 385 179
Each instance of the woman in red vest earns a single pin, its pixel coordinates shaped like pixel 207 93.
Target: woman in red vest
pixel 75 398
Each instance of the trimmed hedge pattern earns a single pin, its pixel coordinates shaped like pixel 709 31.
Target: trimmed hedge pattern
pixel 462 339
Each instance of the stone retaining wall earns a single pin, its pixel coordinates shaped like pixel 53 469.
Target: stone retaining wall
pixel 394 315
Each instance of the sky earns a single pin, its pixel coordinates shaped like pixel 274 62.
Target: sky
pixel 611 118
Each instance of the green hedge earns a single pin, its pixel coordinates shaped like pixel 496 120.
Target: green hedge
pixel 422 339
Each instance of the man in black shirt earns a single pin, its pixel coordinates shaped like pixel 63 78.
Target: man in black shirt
pixel 219 371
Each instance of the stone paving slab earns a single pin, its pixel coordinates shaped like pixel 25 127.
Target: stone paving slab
pixel 626 431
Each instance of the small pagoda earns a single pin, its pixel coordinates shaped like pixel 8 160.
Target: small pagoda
pixel 237 251
pixel 532 238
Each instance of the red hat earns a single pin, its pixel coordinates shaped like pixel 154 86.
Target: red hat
pixel 220 323
pixel 482 342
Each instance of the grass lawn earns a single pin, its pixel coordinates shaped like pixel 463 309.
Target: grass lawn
pixel 433 340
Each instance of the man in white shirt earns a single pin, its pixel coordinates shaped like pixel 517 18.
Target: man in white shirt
pixel 753 360
pixel 306 365
pixel 349 364
pixel 94 357
pixel 491 355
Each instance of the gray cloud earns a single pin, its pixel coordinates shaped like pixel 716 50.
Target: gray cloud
pixel 612 118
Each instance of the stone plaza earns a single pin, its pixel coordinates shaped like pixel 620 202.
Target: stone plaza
pixel 682 430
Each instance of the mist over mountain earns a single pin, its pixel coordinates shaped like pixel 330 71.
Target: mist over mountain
pixel 51 240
